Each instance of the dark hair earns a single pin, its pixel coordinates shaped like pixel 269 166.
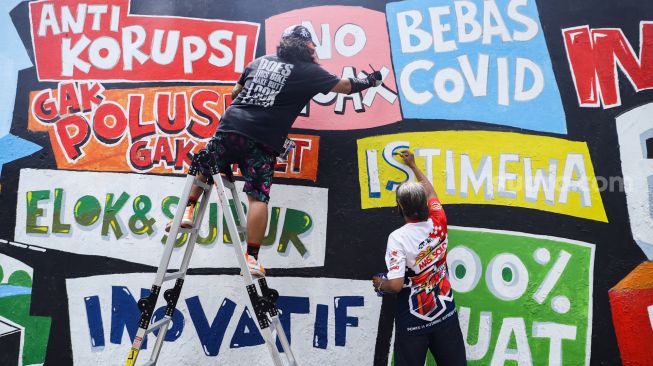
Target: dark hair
pixel 294 50
pixel 411 198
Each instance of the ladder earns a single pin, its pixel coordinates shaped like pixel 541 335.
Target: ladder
pixel 261 300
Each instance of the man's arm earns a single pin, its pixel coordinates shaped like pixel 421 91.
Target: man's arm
pixel 395 261
pixel 236 90
pixel 355 85
pixel 384 285
pixel 343 86
pixel 409 159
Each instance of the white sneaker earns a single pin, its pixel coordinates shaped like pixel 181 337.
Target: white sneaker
pixel 255 269
pixel 186 221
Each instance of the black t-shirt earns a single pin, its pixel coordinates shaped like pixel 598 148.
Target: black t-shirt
pixel 274 93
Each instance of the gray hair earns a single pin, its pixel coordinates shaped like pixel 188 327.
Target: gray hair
pixel 411 198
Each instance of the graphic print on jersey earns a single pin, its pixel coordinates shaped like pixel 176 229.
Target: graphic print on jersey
pixel 430 291
pixel 267 81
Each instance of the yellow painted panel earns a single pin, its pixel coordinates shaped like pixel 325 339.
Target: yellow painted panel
pixel 481 167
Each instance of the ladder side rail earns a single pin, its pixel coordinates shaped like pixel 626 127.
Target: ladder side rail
pixel 240 255
pixel 154 357
pixel 183 268
pixel 272 346
pixel 185 262
pixel 141 333
pixel 281 334
pixel 174 230
pixel 136 347
pixel 233 230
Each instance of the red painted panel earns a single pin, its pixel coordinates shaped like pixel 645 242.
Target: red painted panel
pixel 630 300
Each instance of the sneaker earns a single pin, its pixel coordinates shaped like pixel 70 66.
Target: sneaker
pixel 255 269
pixel 186 221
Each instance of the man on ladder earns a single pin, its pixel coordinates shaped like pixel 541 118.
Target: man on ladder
pixel 267 99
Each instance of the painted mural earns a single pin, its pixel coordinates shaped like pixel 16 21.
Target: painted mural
pixel 24 338
pixel 532 119
pixel 482 168
pixel 518 296
pixel 324 317
pixel 483 61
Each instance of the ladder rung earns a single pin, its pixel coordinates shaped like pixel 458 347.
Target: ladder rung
pixel 148 363
pixel 156 325
pixel 201 184
pixel 188 230
pixel 173 275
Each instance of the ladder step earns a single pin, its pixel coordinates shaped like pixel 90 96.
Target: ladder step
pixel 203 185
pixel 188 230
pixel 173 275
pixel 149 363
pixel 159 324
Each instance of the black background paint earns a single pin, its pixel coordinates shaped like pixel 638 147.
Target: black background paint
pixel 356 238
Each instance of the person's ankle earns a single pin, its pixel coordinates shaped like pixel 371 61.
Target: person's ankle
pixel 253 249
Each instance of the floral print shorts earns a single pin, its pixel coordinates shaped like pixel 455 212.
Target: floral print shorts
pixel 255 161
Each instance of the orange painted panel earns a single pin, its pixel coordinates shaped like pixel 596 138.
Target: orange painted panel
pixel 153 130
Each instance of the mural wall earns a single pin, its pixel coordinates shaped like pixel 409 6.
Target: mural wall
pixel 533 119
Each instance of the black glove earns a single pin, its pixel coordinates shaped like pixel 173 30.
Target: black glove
pixel 375 78
pixel 360 84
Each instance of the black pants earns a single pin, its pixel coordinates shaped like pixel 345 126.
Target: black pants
pixel 445 342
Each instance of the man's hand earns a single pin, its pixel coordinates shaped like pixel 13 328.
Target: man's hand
pixel 355 85
pixel 382 285
pixel 408 157
pixel 375 78
pixel 376 282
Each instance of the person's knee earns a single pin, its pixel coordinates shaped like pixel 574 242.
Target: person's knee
pixel 253 197
pixel 257 197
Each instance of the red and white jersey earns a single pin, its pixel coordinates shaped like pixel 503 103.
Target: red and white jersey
pixel 418 245
pixel 417 252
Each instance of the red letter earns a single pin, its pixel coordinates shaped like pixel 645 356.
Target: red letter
pixel 183 153
pixel 44 107
pixel 72 132
pixel 177 122
pixel 91 96
pixel 227 100
pixel 162 151
pixel 300 146
pixel 137 129
pixel 198 102
pixel 282 166
pixel 105 132
pixel 593 57
pixel 140 156
pixel 610 45
pixel 68 98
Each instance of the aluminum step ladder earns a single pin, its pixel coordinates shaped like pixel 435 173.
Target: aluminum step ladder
pixel 261 298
